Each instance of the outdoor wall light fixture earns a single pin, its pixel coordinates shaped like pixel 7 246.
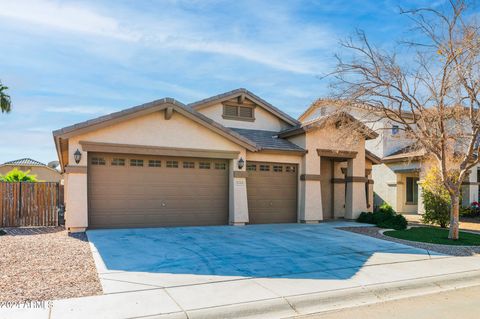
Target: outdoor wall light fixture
pixel 77 155
pixel 241 162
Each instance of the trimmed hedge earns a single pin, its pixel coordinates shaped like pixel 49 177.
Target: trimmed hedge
pixel 385 217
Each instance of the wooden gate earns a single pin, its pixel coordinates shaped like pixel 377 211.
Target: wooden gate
pixel 29 204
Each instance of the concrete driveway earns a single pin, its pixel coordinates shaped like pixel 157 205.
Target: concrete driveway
pixel 272 270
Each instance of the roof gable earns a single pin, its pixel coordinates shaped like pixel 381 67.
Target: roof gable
pixel 321 121
pixel 240 95
pixel 168 105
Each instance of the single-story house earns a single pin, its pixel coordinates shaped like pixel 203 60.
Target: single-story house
pixel 230 159
pixel 43 172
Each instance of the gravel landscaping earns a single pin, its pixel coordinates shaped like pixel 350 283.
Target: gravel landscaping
pixel 44 264
pixel 443 249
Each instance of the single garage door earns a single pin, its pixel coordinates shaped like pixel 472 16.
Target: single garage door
pixel 272 192
pixel 147 191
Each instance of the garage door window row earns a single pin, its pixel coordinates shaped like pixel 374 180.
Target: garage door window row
pixel 267 168
pixel 156 163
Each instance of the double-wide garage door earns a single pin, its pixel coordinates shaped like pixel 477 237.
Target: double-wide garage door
pixel 147 191
pixel 272 192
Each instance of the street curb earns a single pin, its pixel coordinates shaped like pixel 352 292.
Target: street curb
pixel 292 306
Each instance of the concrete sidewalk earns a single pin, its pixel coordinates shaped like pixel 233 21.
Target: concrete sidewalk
pixel 390 272
pixel 268 297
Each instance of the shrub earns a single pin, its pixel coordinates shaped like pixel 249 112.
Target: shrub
pixel 384 217
pixel 16 175
pixel 397 222
pixel 365 217
pixel 436 200
pixel 471 211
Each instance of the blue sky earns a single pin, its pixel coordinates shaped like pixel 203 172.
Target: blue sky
pixel 69 61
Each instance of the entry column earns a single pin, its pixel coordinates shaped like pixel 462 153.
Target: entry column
pixel 310 190
pixel 356 201
pixel 238 203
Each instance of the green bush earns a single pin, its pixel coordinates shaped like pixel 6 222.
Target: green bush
pixel 397 222
pixel 384 217
pixel 16 175
pixel 436 200
pixel 365 217
pixel 437 209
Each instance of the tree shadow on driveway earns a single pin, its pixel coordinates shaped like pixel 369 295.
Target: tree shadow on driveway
pixel 317 251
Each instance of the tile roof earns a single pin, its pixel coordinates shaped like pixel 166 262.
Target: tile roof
pixel 268 140
pixel 24 162
pixel 404 153
pixel 255 98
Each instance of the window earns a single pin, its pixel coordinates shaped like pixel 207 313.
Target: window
pixel 395 129
pixel 412 190
pixel 264 168
pixel 277 168
pixel 251 167
pixel 238 112
pixel 172 164
pixel 118 162
pixel 154 163
pixel 220 166
pixel 188 165
pixel 290 168
pixel 204 165
pixel 98 161
pixel 136 162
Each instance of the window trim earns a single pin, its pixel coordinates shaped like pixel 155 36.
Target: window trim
pixel 118 160
pixel 220 166
pixel 171 164
pixel 98 161
pixel 263 166
pixel 186 165
pixel 150 161
pixel 201 165
pixel 414 186
pixel 137 161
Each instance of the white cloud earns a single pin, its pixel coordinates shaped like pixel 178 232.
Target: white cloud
pixel 281 43
pixel 67 17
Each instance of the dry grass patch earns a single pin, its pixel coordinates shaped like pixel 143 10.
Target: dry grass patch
pixel 45 264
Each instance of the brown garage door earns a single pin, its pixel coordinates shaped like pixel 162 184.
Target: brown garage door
pixel 146 191
pixel 272 192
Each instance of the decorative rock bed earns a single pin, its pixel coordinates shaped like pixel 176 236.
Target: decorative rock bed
pixel 46 263
pixel 377 232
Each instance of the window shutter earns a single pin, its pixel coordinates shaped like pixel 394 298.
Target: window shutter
pixel 229 110
pixel 246 112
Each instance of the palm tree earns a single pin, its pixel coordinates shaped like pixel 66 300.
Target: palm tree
pixel 5 102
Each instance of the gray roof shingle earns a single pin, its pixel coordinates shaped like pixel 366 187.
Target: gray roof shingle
pixel 25 162
pixel 268 140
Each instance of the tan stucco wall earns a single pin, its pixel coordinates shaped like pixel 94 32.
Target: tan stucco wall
pixel 182 132
pixel 152 130
pixel 264 120
pixel 328 138
pixel 389 186
pixel 44 174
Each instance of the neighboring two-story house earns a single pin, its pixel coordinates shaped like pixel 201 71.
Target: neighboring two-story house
pixel 230 159
pixel 397 178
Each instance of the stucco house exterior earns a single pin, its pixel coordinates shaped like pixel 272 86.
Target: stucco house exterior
pixel 398 176
pixel 43 172
pixel 230 159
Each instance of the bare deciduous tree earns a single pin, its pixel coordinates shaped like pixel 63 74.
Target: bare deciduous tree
pixel 433 92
